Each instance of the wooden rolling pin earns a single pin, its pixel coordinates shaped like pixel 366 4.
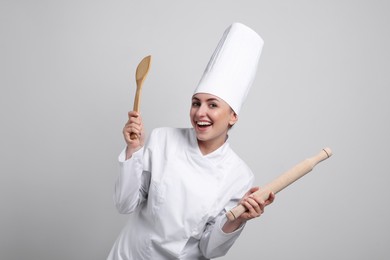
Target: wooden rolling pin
pixel 283 180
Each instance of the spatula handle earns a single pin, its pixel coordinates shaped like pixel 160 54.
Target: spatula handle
pixel 137 98
pixel 136 106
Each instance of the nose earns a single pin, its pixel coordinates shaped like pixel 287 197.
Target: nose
pixel 201 111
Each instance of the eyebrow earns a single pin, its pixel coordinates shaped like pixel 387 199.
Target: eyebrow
pixel 208 100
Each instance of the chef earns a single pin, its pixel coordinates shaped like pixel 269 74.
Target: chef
pixel 179 183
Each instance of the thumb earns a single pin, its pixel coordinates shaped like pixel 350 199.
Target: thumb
pixel 254 189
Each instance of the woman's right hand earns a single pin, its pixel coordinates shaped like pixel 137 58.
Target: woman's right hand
pixel 133 128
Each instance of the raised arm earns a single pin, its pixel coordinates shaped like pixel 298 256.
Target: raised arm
pixel 133 133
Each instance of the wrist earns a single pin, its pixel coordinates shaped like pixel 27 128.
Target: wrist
pixel 130 151
pixel 232 225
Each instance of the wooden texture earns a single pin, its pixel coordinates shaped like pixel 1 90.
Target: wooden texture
pixel 140 75
pixel 284 180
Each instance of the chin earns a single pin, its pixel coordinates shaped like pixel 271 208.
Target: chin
pixel 201 136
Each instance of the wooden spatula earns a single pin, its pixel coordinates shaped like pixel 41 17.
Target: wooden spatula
pixel 140 75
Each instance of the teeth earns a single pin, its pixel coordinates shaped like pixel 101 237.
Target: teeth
pixel 204 123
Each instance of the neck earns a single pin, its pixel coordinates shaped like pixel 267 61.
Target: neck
pixel 207 147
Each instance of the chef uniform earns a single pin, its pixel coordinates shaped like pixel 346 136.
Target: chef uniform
pixel 178 197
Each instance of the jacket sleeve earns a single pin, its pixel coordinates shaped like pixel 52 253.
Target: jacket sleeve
pixel 216 243
pixel 132 184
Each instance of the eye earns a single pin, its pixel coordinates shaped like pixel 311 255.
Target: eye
pixel 195 103
pixel 213 105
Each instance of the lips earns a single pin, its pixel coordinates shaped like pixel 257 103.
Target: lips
pixel 203 124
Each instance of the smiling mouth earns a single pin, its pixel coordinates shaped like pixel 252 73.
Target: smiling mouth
pixel 203 124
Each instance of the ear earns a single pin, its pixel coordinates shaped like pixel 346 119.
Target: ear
pixel 233 118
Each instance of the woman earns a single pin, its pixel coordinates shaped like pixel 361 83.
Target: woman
pixel 180 184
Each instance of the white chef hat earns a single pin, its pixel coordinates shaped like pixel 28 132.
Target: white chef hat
pixel 233 65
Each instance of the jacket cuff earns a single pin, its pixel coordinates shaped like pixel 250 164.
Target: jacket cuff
pixel 137 155
pixel 221 221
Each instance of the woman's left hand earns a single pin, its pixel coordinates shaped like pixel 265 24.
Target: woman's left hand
pixel 255 207
pixel 254 204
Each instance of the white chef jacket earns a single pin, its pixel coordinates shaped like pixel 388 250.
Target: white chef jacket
pixel 178 198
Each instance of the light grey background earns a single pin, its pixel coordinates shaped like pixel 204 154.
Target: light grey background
pixel 67 82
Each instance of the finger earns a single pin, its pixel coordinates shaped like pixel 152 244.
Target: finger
pixel 134 135
pixel 249 209
pixel 133 128
pixel 133 120
pixel 270 199
pixel 133 114
pixel 266 202
pixel 257 208
pixel 253 189
pixel 130 130
pixel 257 205
pixel 250 192
pixel 127 136
pixel 127 130
pixel 258 198
pixel 252 212
pixel 133 117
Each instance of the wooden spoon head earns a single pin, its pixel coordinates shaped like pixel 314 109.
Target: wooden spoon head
pixel 143 68
pixel 140 75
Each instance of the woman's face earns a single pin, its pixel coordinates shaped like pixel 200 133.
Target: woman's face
pixel 211 118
